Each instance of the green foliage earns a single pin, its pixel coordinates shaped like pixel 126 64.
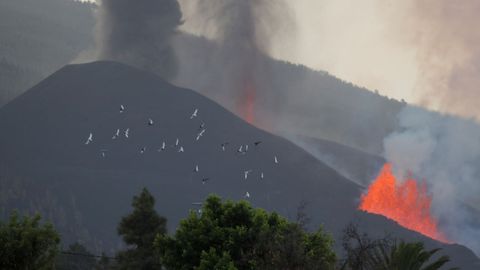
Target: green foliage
pixel 406 256
pixel 212 261
pixel 364 253
pixel 25 243
pixel 138 231
pixel 249 238
pixel 104 263
pixel 77 257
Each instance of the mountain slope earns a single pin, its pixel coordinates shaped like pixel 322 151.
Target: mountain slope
pixel 43 138
pixel 352 163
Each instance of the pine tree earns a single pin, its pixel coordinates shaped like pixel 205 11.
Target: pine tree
pixel 138 231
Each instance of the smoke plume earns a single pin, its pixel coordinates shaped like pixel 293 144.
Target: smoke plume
pixel 448 53
pixel 426 51
pixel 444 151
pixel 138 32
pixel 236 73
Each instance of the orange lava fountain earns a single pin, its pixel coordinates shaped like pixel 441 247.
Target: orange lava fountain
pixel 406 203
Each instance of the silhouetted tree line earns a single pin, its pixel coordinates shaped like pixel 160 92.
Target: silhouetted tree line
pixel 222 235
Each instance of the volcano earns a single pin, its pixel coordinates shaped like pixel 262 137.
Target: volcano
pixel 86 188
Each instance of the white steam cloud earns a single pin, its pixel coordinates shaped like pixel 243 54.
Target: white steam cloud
pixel 444 151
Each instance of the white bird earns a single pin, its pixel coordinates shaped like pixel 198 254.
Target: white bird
pixel 200 134
pixel 262 176
pixel 127 132
pixel 246 173
pixel 143 150
pixel 224 145
pixel 194 114
pixel 240 150
pixel 117 133
pixel 246 148
pixel 177 142
pixel 196 169
pixel 163 147
pixel 122 108
pixel 102 152
pixel 150 122
pixel 247 195
pixel 90 139
pixel 181 150
pixel 275 160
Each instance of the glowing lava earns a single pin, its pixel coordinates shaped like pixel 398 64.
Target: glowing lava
pixel 247 103
pixel 406 203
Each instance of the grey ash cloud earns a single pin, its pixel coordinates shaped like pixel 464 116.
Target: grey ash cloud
pixel 138 32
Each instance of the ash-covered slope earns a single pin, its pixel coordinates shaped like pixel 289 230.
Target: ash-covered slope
pixel 86 188
pixel 354 164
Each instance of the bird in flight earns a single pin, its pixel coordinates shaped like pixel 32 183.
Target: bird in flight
pixel 90 139
pixel 127 133
pixel 224 146
pixel 200 134
pixel 262 176
pixel 117 133
pixel 194 114
pixel 122 108
pixel 246 173
pixel 163 147
pixel 196 169
pixel 275 160
pixel 177 142
pixel 181 150
pixel 150 122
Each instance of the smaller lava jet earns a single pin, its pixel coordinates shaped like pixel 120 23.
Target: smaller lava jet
pixel 405 202
pixel 247 103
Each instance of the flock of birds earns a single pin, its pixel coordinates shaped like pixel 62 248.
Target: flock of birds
pixel 242 150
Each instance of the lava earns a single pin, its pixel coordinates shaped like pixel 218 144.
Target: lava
pixel 407 203
pixel 247 103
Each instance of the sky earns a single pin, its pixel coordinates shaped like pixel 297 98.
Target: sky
pixel 422 51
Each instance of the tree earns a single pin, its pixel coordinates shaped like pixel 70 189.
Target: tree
pixel 104 263
pixel 364 253
pixel 212 261
pixel 25 243
pixel 237 236
pixel 407 256
pixel 77 257
pixel 359 248
pixel 138 231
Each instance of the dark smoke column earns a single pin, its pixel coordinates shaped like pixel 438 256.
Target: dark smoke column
pixel 244 30
pixel 240 40
pixel 139 33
